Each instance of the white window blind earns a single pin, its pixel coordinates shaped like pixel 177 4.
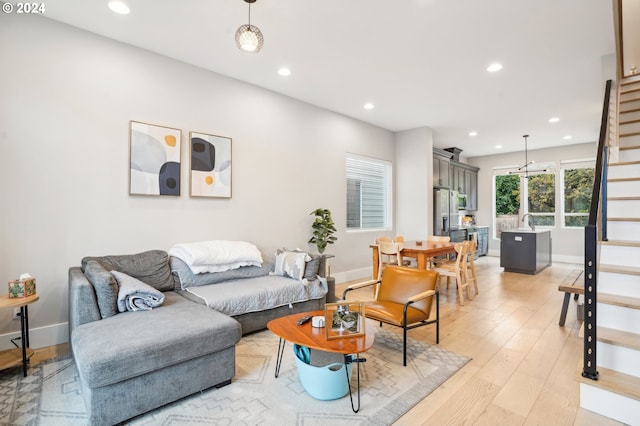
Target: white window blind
pixel 368 192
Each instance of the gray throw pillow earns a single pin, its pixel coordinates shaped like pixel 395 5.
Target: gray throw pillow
pixel 313 266
pixel 150 267
pixel 291 264
pixel 105 286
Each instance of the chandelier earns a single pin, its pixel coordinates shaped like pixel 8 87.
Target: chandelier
pixel 528 165
pixel 249 37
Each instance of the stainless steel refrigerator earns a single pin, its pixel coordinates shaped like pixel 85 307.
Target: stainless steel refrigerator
pixel 445 211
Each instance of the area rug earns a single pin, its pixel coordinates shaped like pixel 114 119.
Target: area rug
pixel 50 394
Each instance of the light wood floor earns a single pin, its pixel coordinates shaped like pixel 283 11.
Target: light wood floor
pixel 523 363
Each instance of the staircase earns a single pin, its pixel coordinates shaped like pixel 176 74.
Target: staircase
pixel 616 393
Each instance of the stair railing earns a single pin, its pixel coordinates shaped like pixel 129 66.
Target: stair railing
pixel 597 217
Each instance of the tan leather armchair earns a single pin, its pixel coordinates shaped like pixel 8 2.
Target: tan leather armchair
pixel 404 299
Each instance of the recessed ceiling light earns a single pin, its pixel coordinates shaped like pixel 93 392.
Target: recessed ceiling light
pixel 473 133
pixel 498 146
pixel 119 7
pixel 567 137
pixel 368 105
pixel 285 72
pixel 554 120
pixel 494 67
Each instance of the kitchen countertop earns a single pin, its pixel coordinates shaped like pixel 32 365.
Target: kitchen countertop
pixel 526 230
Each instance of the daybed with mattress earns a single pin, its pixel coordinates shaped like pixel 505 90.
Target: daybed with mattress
pixel 134 361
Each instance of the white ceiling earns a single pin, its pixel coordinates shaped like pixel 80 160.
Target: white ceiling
pixel 421 62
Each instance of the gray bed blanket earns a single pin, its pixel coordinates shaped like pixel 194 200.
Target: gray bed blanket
pixel 237 297
pixel 134 295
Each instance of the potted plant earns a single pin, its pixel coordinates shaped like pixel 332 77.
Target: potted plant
pixel 323 229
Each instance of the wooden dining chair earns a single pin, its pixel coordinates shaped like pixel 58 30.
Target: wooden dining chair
pixel 405 299
pixel 388 254
pixel 458 270
pixel 386 258
pixel 431 262
pixel 405 261
pixel 472 245
pixel 439 238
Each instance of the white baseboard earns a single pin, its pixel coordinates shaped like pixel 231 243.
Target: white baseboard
pixel 354 274
pixel 568 259
pixel 39 337
pixel 560 258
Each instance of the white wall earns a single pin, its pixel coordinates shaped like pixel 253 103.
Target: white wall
pixel 567 243
pixel 65 104
pixel 414 180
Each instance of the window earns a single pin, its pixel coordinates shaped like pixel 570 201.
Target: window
pixel 542 198
pixel 507 202
pixel 368 193
pixel 577 183
pixel 517 194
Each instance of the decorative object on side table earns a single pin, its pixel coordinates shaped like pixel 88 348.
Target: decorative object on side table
pixel 22 287
pixel 22 292
pixel 344 319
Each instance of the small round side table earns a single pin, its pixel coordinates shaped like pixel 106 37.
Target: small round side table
pixel 12 357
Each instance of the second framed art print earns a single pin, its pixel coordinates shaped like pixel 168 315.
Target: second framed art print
pixel 210 174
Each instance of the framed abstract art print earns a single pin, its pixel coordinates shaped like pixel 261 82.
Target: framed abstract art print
pixel 154 159
pixel 210 174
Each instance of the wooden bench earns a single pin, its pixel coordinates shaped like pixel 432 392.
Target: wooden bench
pixel 572 284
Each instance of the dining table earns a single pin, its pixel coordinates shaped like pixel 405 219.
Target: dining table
pixel 419 250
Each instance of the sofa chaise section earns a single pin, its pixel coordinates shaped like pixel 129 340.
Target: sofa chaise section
pixel 133 362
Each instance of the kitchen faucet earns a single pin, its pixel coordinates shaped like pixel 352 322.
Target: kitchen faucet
pixel 532 223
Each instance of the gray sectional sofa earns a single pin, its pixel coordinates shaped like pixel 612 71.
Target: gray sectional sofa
pixel 132 362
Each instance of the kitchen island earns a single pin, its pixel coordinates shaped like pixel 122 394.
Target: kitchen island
pixel 525 251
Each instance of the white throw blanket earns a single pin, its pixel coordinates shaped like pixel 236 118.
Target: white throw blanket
pixel 134 295
pixel 217 255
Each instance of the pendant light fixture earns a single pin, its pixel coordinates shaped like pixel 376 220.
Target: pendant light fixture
pixel 525 168
pixel 249 37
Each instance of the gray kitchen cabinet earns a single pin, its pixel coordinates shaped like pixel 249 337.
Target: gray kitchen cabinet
pixel 457 175
pixel 441 161
pixel 471 178
pixel 483 240
pixel 464 179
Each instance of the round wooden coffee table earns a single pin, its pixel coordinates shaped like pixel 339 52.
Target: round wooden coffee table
pixel 287 329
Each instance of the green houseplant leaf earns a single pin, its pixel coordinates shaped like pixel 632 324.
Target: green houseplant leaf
pixel 323 229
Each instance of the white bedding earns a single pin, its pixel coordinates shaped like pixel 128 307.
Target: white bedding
pixel 217 255
pixel 241 296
